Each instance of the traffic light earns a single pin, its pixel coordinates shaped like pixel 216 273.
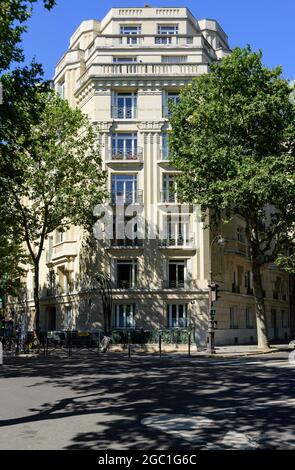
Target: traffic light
pixel 214 292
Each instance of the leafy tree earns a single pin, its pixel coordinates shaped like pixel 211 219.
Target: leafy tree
pixel 233 137
pixel 13 17
pixel 60 180
pixel 19 88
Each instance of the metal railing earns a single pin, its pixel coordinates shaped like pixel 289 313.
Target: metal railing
pixel 187 240
pixel 126 242
pixel 167 196
pixel 127 197
pixel 125 155
pixel 124 112
pixel 235 288
pixel 179 284
pixel 125 284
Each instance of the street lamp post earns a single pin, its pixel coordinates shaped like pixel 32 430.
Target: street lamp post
pixel 211 311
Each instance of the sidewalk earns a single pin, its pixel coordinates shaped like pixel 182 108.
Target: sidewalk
pixel 243 350
pixel 230 351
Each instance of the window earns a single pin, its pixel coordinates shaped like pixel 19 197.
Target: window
pixel 285 319
pixel 277 288
pixel 168 193
pixel 248 283
pixel 68 318
pixel 61 89
pixel 50 249
pixel 249 317
pixel 51 282
pixel 177 315
pixel 171 98
pixel 124 316
pixel 174 59
pixel 64 279
pixel 233 317
pixel 166 30
pixel 124 60
pixel 60 236
pixel 132 32
pixel 165 147
pixel 126 274
pixel 125 107
pixel 124 189
pixel 177 230
pixel 124 145
pixel 176 273
pixel 240 234
pixel 125 232
pixel 273 318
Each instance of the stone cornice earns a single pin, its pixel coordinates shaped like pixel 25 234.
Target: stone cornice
pixel 150 126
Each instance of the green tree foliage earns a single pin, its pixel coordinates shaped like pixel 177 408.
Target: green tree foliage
pixel 19 108
pixel 13 17
pixel 233 137
pixel 60 176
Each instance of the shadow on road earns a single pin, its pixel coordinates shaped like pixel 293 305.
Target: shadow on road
pixel 247 397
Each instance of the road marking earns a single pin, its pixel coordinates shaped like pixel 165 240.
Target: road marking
pixel 187 426
pixel 193 428
pixel 234 440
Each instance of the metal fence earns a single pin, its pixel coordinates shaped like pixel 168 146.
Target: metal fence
pixel 72 342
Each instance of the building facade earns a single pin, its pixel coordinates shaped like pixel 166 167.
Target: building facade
pixel 124 72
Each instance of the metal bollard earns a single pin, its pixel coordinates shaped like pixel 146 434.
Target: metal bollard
pixel 70 343
pixel 45 344
pixel 129 345
pixel 160 343
pixel 98 345
pixel 189 344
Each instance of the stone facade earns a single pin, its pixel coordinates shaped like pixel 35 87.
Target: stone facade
pixel 123 71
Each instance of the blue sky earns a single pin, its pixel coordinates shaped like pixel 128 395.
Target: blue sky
pixel 264 24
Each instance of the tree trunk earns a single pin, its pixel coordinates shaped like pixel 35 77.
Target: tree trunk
pixel 36 300
pixel 261 320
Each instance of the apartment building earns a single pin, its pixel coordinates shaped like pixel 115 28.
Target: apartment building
pixel 124 71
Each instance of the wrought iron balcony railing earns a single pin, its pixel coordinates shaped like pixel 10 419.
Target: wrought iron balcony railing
pixel 179 284
pixel 187 240
pixel 124 112
pixel 127 197
pixel 124 284
pixel 126 243
pixel 135 154
pixel 167 196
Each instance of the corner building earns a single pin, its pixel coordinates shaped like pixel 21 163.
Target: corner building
pixel 124 71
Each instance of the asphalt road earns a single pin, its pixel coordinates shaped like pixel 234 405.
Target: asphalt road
pixel 147 403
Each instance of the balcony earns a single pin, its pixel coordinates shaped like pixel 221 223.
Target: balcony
pixel 127 155
pixel 175 284
pixel 235 288
pixel 99 70
pixel 279 296
pixel 150 41
pixel 65 249
pixel 235 246
pixel 126 243
pixel 124 112
pixel 124 284
pixel 168 197
pixel 127 197
pixel 185 241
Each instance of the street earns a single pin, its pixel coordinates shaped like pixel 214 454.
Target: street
pixel 112 402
